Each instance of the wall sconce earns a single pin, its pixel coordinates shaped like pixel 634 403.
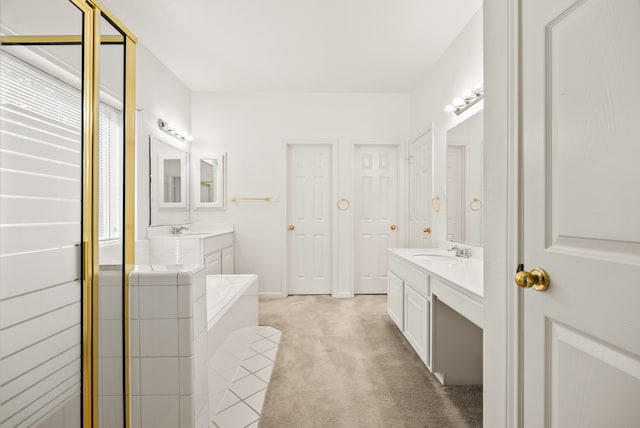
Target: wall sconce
pixel 460 104
pixel 173 131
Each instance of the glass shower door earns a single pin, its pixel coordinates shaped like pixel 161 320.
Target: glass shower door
pixel 41 141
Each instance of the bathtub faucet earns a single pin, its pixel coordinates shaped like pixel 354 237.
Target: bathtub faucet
pixel 177 230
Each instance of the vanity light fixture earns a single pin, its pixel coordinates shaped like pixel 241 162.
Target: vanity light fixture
pixel 170 129
pixel 460 104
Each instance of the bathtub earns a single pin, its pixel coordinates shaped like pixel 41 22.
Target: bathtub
pixel 232 319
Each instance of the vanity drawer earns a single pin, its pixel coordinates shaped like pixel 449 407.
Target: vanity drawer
pixel 418 279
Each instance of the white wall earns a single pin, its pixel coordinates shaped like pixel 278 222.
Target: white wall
pixel 160 94
pixel 457 71
pixel 252 129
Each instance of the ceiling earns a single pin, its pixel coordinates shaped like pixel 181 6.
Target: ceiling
pixel 297 45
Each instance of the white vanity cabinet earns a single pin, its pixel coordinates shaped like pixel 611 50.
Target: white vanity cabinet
pixel 213 250
pixel 395 300
pixel 409 305
pixel 436 302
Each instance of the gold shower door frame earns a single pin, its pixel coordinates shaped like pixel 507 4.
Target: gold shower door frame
pixel 91 40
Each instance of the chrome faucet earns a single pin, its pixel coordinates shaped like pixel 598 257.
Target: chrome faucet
pixel 177 230
pixel 465 253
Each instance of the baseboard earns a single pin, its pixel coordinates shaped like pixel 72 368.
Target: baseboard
pixel 271 295
pixel 343 295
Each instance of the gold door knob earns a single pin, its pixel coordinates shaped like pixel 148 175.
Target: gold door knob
pixel 393 227
pixel 291 227
pixel 537 278
pixel 427 230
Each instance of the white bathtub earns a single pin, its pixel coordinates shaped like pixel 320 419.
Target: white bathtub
pixel 232 317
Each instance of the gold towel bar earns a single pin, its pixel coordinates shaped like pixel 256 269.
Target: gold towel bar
pixel 235 199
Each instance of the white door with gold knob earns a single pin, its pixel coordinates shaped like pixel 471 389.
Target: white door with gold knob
pixel 420 190
pixel 375 203
pixel 309 216
pixel 580 92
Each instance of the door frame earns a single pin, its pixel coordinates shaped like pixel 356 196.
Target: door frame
pixel 407 173
pixel 333 146
pixel 503 341
pixel 402 183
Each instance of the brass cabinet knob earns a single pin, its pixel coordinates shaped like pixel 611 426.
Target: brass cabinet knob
pixel 291 227
pixel 393 227
pixel 537 278
pixel 427 230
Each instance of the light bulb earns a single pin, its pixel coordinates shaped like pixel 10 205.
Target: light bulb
pixel 468 95
pixel 189 137
pixel 478 88
pixel 450 109
pixel 458 102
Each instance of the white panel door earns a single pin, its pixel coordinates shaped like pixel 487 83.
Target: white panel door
pixel 309 218
pixel 581 62
pixel 420 187
pixel 456 193
pixel 376 215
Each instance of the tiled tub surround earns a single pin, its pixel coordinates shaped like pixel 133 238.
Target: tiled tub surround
pixel 168 311
pixel 436 300
pixel 174 337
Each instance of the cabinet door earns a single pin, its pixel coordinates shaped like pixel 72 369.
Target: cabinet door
pixel 416 322
pixel 395 300
pixel 227 261
pixel 213 263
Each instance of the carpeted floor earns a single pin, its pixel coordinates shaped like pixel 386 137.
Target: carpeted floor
pixel 343 363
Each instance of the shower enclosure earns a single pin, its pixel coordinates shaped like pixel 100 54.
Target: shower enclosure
pixel 67 113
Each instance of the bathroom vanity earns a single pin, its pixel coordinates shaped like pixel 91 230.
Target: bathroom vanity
pixel 211 246
pixel 435 299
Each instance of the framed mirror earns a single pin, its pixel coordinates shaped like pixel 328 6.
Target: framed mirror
pixel 209 181
pixel 464 203
pixel 169 177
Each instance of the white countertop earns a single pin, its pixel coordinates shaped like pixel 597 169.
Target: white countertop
pixel 194 231
pixel 465 274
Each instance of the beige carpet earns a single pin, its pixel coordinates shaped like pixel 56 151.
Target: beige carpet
pixel 343 363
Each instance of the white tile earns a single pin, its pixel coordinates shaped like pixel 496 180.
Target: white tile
pixel 134 338
pixel 271 354
pixel 236 416
pixel 186 375
pixel 113 411
pixel 199 286
pixel 256 400
pixel 247 386
pixel 186 277
pixel 159 338
pixel 160 411
pixel 275 338
pixel 200 352
pixel 111 338
pixel 240 373
pixel 199 315
pixel 157 278
pixel 110 302
pixel 158 302
pixel 186 412
pixel 160 376
pixel 265 373
pixel 263 345
pixel 135 412
pixel 228 400
pixel 134 367
pixel 254 425
pixel 111 375
pixel 185 302
pixel 185 333
pixel 134 302
pixel 267 331
pixel 256 363
pixel 72 411
pixel 248 354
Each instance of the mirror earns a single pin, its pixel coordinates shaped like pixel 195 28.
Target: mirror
pixel 465 181
pixel 209 181
pixel 168 190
